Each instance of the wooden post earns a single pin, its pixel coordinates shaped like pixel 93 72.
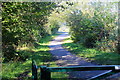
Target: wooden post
pixel 45 74
pixel 34 71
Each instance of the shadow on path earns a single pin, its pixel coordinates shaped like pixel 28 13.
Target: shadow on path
pixel 65 58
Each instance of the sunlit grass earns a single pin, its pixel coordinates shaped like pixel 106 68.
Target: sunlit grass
pixel 12 70
pixel 40 53
pixel 59 75
pixel 24 48
pixel 92 54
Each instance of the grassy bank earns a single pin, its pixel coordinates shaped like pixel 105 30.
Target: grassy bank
pixel 93 55
pixel 22 69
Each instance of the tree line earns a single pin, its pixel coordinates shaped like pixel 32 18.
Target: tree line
pixel 95 25
pixel 23 23
pixel 92 24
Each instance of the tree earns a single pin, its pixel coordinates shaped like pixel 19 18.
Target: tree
pixel 93 24
pixel 23 23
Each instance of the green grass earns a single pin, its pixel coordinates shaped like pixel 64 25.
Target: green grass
pixel 12 70
pixel 40 53
pixel 92 54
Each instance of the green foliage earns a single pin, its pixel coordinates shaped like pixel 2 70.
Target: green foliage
pixel 13 70
pixel 54 25
pixel 94 25
pixel 82 28
pixel 23 23
pixel 53 22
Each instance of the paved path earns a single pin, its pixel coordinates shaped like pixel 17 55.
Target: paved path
pixel 65 58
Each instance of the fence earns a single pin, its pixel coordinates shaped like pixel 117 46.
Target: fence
pixel 45 73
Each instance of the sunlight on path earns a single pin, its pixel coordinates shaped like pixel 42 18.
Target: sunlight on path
pixel 65 58
pixel 58 39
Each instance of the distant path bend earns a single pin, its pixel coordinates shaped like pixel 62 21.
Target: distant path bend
pixel 65 58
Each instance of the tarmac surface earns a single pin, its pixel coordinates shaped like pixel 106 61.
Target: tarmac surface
pixel 65 58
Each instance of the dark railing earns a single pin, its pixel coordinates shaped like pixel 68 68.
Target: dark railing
pixel 45 73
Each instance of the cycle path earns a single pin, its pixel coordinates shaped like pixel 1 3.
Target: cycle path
pixel 65 58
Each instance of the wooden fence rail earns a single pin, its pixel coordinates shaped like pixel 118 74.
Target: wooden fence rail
pixel 45 72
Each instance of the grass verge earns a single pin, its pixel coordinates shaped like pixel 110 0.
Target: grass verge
pixel 92 54
pixel 22 69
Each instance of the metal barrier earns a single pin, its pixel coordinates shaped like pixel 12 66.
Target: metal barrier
pixel 45 73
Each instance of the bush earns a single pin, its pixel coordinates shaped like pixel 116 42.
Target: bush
pixel 91 27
